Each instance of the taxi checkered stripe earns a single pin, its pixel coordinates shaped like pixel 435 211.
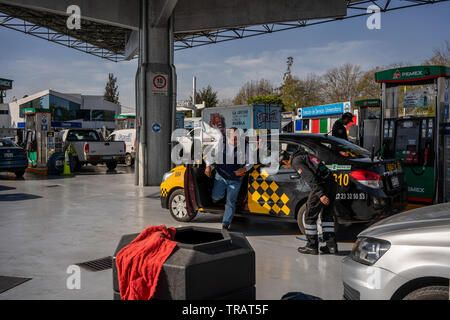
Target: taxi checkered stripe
pixel 267 193
pixel 163 193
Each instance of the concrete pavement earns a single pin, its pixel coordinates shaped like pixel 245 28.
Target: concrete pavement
pixel 48 225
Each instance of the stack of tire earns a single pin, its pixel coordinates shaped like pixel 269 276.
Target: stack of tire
pixel 55 164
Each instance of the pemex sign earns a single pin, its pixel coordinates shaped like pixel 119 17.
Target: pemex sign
pixel 416 73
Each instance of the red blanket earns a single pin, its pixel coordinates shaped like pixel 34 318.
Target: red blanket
pixel 140 262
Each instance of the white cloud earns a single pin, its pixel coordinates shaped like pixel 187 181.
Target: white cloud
pixel 225 74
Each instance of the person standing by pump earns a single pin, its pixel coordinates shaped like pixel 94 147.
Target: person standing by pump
pixel 339 130
pixel 320 201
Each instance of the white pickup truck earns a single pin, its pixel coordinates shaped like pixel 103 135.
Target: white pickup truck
pixel 92 149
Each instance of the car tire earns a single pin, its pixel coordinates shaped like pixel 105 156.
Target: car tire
pixel 111 164
pixel 429 293
pixel 301 220
pixel 19 173
pixel 128 160
pixel 177 207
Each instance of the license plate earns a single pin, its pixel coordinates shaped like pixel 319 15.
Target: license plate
pixel 107 158
pixel 395 182
pixel 9 155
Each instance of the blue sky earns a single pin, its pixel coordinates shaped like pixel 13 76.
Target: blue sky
pixel 408 35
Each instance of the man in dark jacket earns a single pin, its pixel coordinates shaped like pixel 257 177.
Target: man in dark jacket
pixel 229 174
pixel 339 129
pixel 320 201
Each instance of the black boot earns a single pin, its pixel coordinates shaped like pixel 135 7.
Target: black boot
pixel 312 246
pixel 331 246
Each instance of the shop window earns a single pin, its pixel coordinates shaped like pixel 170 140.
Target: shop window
pixel 305 125
pixel 102 115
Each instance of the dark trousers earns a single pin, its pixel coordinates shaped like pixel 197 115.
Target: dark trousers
pixel 314 209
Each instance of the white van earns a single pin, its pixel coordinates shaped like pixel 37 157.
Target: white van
pixel 129 137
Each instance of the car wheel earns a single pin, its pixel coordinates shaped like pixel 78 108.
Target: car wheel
pixel 301 220
pixel 111 165
pixel 128 160
pixel 429 293
pixel 177 207
pixel 19 173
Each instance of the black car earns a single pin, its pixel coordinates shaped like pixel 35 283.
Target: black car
pixel 12 157
pixel 369 189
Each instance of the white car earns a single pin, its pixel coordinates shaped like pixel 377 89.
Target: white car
pixel 406 256
pixel 92 149
pixel 129 137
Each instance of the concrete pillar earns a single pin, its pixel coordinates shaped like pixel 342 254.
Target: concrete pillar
pixel 156 95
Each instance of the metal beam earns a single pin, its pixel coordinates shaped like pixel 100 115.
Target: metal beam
pixel 198 15
pixel 114 39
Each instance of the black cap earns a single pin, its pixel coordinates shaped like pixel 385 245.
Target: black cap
pixel 347 115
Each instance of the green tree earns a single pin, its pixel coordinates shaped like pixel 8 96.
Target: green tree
pixel 367 87
pixel 292 93
pixel 111 90
pixel 208 96
pixel 272 99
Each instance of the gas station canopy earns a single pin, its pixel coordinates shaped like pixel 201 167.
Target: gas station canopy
pixel 109 28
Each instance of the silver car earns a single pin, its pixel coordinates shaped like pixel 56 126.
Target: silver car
pixel 406 256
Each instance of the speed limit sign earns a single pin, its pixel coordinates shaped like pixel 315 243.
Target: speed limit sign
pixel 159 84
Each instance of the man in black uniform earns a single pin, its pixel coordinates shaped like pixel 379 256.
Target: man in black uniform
pixel 320 200
pixel 339 130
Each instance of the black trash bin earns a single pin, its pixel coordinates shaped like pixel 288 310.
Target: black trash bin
pixel 206 264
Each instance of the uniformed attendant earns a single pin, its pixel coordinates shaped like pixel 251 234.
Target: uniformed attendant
pixel 339 130
pixel 320 201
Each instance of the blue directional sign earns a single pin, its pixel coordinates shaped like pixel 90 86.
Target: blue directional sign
pixel 156 127
pixel 326 110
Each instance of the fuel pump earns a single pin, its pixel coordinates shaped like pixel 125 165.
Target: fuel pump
pixel 369 115
pixel 414 113
pixel 37 134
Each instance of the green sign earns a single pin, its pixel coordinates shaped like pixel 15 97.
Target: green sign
pixel 34 110
pixel 29 110
pixel 407 74
pixel 367 103
pixel 5 84
pixel 125 116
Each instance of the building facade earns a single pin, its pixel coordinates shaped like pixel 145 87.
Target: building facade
pixel 68 110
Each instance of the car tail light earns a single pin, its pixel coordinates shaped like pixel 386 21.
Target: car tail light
pixel 21 151
pixel 367 178
pixel 86 148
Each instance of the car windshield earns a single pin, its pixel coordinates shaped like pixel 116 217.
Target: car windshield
pixel 82 135
pixel 345 148
pixel 7 144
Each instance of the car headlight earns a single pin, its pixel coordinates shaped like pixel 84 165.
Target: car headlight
pixel 369 250
pixel 167 175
